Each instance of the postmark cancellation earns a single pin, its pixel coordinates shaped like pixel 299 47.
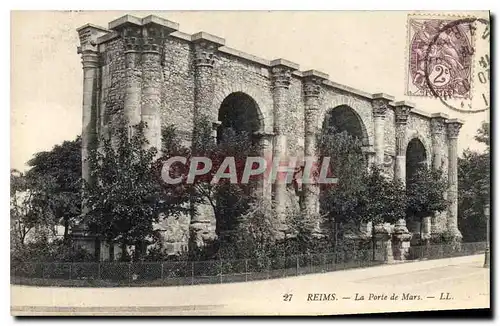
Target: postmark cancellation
pixel 439 57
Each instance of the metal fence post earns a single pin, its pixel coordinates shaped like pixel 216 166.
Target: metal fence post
pixel 297 265
pixel 70 270
pixel 192 273
pixel 220 270
pixel 43 270
pixel 161 271
pixel 130 272
pixel 99 271
pixel 246 270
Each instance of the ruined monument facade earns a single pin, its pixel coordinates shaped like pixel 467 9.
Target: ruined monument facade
pixel 147 70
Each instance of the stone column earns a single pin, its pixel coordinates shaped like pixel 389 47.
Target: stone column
pixel 439 148
pixel 132 36
pixel 402 112
pixel 265 141
pixel 89 51
pixel 205 48
pixel 281 75
pixel 380 104
pixel 453 129
pixel 312 90
pixel 152 77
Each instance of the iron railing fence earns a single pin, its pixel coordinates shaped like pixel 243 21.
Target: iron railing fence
pixel 224 271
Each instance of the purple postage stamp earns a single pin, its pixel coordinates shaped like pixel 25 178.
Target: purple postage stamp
pixel 439 58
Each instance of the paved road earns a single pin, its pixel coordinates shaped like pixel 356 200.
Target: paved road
pixel 454 283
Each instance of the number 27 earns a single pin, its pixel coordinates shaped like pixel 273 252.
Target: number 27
pixel 287 297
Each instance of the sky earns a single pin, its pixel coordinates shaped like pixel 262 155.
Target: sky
pixel 364 50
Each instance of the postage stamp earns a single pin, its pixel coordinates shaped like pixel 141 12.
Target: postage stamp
pixel 440 58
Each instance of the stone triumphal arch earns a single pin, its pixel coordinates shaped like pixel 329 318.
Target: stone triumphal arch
pixel 146 69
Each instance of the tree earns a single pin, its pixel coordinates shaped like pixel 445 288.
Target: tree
pixel 227 200
pixel 124 196
pixel 425 191
pixel 22 219
pixel 473 175
pixel 382 201
pixel 57 175
pixel 339 201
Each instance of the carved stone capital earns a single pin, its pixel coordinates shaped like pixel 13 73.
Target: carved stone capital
pixel 453 128
pixel 312 82
pixel 380 104
pixel 312 87
pixel 132 38
pixel 205 54
pixel 152 38
pixel 90 59
pixel 402 112
pixel 380 107
pixel 281 76
pixel 88 35
pixel 205 49
pixel 438 126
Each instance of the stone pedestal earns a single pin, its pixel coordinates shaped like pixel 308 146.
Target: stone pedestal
pixel 383 237
pixel 401 238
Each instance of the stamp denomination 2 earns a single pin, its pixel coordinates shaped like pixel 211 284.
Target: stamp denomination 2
pixel 448 59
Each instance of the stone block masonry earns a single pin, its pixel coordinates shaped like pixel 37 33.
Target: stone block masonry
pixel 145 69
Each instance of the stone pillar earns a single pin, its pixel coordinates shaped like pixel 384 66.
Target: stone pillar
pixel 89 51
pixel 369 153
pixel 281 75
pixel 265 141
pixel 383 238
pixel 453 129
pixel 402 112
pixel 205 48
pixel 312 90
pixel 439 148
pixel 152 78
pixel 132 36
pixel 380 104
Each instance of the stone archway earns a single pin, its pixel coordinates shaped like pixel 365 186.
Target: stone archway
pixel 240 122
pixel 344 118
pixel 416 157
pixel 340 123
pixel 238 113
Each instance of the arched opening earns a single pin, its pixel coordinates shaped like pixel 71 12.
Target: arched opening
pixel 342 138
pixel 416 158
pixel 239 116
pixel 345 119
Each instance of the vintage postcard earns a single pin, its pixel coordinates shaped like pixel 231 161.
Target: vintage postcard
pixel 249 163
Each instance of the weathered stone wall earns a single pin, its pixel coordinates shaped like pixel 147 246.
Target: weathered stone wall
pixel 197 73
pixel 112 81
pixel 419 127
pixel 178 86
